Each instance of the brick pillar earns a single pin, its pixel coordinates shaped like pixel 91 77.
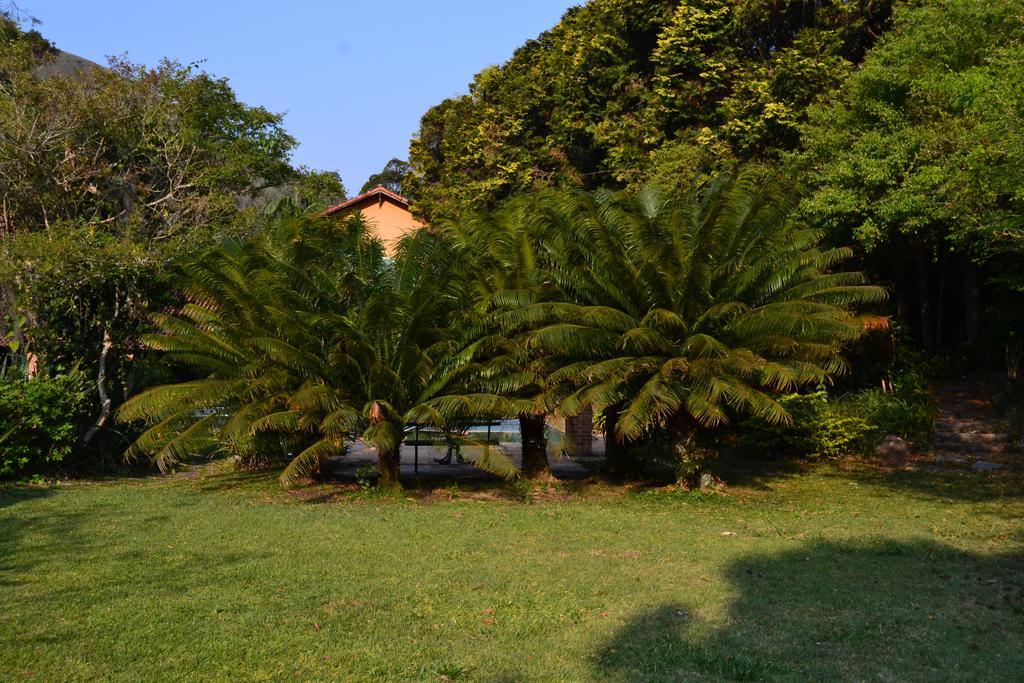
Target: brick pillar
pixel 580 431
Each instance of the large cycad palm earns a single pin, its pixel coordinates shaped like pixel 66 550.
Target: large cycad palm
pixel 306 338
pixel 500 257
pixel 677 311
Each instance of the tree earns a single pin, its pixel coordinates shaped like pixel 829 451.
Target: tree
pixel 129 150
pixel 392 176
pixel 623 91
pixel 107 176
pixel 499 255
pixel 305 338
pixel 919 160
pixel 683 310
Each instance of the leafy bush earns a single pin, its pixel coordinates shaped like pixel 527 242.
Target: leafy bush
pixel 855 422
pixel 819 428
pixel 908 417
pixel 38 422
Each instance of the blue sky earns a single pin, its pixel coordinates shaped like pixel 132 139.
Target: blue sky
pixel 353 77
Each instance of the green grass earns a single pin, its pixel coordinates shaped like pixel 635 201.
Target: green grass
pixel 826 574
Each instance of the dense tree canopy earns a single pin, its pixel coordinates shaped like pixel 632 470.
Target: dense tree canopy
pixel 392 176
pixel 925 140
pixel 623 90
pixel 920 159
pixel 107 177
pixel 148 152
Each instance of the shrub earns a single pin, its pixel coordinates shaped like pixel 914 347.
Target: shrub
pixel 908 417
pixel 819 429
pixel 823 426
pixel 38 422
pixel 905 410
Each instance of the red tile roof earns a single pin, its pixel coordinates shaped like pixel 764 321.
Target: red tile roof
pixel 379 191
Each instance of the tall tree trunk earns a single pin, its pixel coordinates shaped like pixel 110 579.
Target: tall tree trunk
pixel 972 302
pixel 389 466
pixel 101 385
pixel 940 303
pixel 616 452
pixel 924 298
pixel 535 446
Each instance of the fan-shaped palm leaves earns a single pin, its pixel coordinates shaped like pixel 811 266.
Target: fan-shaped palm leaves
pixel 306 338
pixel 677 311
pixel 500 259
pixel 667 312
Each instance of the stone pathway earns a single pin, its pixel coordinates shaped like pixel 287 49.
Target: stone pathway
pixel 362 456
pixel 968 429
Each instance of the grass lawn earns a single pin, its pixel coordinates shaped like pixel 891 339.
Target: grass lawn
pixel 836 572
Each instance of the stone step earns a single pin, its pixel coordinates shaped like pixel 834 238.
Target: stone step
pixel 970 448
pixel 969 428
pixel 993 438
pixel 964 418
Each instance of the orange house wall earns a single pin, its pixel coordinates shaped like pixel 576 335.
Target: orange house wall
pixel 387 220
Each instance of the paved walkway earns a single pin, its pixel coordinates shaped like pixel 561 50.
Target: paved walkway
pixel 969 430
pixel 360 455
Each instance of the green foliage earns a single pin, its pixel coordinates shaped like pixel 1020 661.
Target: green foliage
pixel 72 283
pixel 14 35
pixel 825 425
pixel 303 338
pixel 624 91
pixel 392 176
pixel 905 414
pixel 675 311
pixel 924 142
pixel 687 458
pixel 919 160
pixel 317 190
pixel 107 177
pixel 819 428
pixel 142 153
pixel 499 260
pixel 38 422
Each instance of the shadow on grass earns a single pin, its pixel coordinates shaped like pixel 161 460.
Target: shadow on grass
pixel 232 480
pixel 918 479
pixel 14 494
pixel 949 484
pixel 758 472
pixel 829 611
pixel 13 527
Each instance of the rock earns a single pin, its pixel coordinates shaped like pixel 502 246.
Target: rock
pixel 982 466
pixel 893 446
pixel 950 457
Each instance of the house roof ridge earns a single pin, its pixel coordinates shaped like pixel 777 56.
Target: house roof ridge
pixel 379 190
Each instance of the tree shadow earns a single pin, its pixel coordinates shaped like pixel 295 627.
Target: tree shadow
pixel 952 483
pixel 760 472
pixel 15 524
pixel 15 494
pixel 833 611
pixel 918 476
